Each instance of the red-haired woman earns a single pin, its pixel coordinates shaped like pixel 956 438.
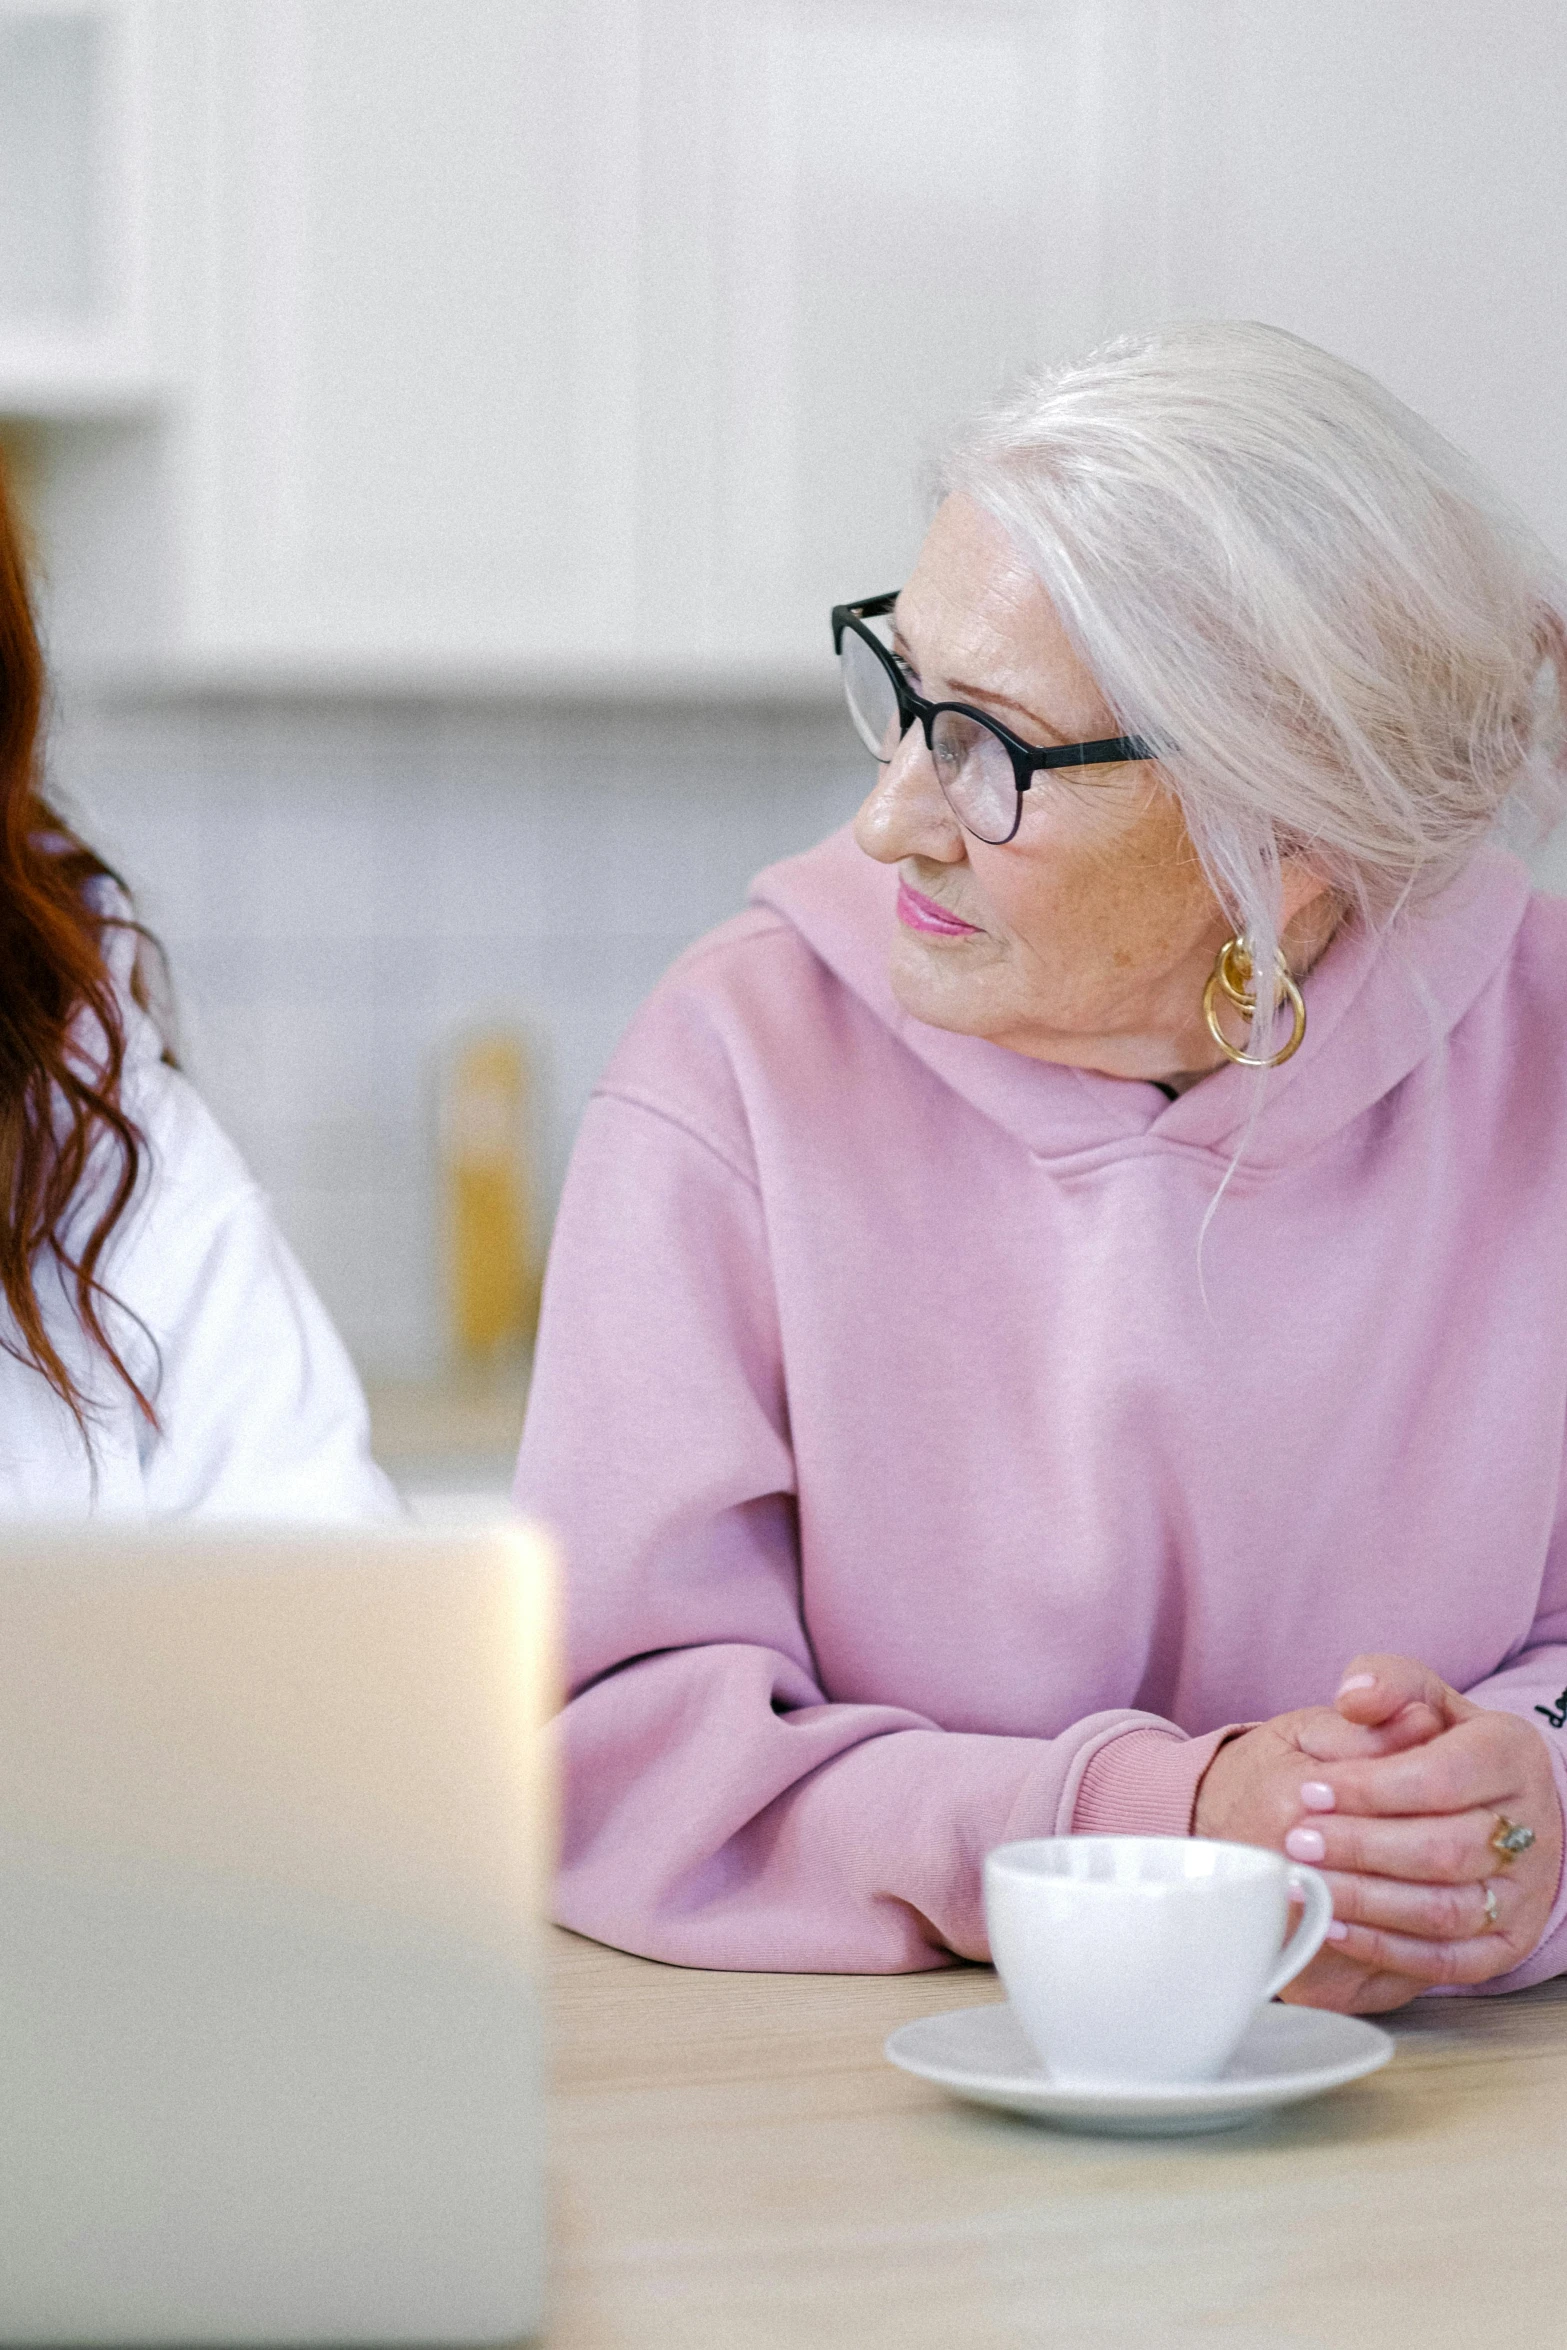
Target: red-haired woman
pixel 161 1349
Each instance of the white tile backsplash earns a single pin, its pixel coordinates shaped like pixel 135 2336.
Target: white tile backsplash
pixel 344 887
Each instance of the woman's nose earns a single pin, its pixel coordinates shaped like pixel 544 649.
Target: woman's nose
pixel 904 814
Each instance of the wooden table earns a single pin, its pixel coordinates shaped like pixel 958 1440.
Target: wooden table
pixel 736 2167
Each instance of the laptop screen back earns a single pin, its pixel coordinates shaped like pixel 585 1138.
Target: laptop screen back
pixel 274 1832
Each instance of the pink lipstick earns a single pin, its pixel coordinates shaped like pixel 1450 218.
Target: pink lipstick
pixel 921 913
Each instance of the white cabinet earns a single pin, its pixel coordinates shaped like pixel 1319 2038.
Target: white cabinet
pixel 377 465
pixel 856 218
pixel 78 333
pixel 589 342
pixel 597 344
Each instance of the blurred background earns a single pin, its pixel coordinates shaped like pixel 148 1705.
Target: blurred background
pixel 443 429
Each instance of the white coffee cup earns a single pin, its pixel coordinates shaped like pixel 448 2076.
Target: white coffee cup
pixel 1136 1959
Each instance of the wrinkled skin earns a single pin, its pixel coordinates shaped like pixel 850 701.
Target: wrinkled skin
pixel 1096 926
pixel 1095 930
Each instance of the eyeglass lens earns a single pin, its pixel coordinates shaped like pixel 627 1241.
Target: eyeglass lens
pixel 973 767
pixel 873 704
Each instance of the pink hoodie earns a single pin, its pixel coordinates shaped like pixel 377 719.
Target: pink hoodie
pixel 927 1480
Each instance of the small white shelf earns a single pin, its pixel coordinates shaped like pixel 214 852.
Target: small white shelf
pixel 792 678
pixel 66 388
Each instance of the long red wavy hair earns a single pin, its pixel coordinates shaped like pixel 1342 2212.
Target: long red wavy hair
pixel 70 1154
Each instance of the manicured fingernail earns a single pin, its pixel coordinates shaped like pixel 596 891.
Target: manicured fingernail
pixel 1317 1795
pixel 1357 1681
pixel 1305 1844
pixel 1338 1931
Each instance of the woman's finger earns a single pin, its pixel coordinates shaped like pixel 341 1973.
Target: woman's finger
pixel 1334 1982
pixel 1327 1737
pixel 1474 1960
pixel 1376 1689
pixel 1475 1764
pixel 1445 1848
pixel 1425 1913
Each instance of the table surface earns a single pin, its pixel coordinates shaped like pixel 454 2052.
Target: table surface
pixel 735 2166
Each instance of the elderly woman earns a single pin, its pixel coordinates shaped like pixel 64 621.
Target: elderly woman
pixel 1058 1319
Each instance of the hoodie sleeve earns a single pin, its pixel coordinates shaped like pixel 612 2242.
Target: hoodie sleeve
pixel 721 1809
pixel 1534 1687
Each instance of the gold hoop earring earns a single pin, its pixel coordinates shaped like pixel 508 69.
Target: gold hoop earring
pixel 1231 978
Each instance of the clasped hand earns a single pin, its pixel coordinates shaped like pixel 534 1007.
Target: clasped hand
pixel 1393 1793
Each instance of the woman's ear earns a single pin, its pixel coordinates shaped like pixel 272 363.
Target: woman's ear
pixel 1312 911
pixel 1301 886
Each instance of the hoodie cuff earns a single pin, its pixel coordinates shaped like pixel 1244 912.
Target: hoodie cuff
pixel 1144 1783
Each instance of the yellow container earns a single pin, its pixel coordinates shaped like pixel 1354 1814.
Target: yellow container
pixel 492 1254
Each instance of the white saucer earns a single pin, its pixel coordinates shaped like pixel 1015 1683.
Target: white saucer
pixel 1289 2053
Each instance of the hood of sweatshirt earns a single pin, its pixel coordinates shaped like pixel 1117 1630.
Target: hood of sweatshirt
pixel 1377 1005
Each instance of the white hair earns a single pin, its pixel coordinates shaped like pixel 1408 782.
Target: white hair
pixel 1341 642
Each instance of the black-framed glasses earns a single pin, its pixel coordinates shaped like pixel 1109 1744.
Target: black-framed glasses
pixel 983 769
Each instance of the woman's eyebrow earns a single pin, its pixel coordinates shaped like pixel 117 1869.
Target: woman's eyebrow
pixel 987 693
pixel 960 689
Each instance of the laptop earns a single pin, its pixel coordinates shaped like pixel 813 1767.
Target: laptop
pixel 274 1835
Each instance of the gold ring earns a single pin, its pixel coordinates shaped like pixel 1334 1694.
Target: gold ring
pixel 1510 1840
pixel 1490 1910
